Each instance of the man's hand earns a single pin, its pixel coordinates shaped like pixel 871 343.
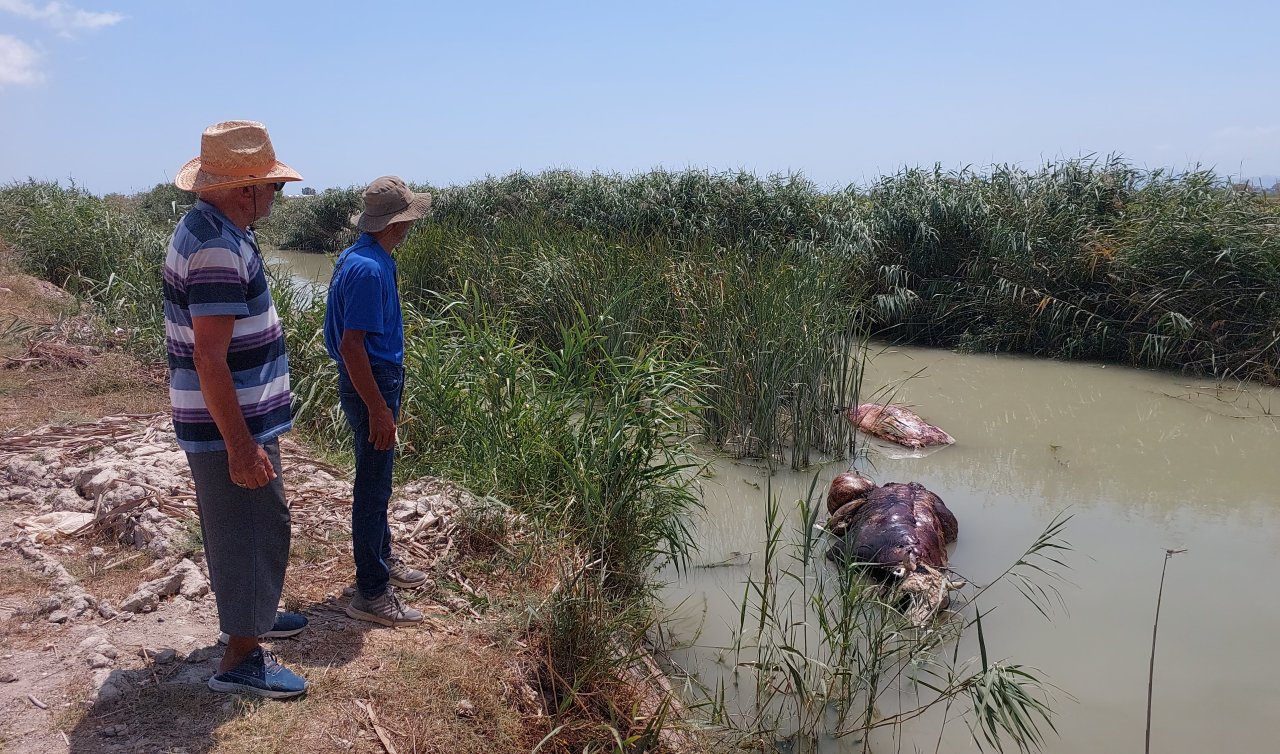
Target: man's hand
pixel 250 467
pixel 382 422
pixel 382 428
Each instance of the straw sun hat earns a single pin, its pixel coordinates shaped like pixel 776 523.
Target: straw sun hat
pixel 234 153
pixel 388 200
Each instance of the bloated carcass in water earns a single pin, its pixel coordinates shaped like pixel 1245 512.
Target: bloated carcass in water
pixel 900 529
pixel 897 424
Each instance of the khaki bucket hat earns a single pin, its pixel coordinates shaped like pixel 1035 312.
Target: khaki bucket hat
pixel 388 200
pixel 234 153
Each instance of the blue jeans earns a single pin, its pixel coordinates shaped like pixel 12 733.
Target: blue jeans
pixel 370 533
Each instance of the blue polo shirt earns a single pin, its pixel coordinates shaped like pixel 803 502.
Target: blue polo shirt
pixel 363 296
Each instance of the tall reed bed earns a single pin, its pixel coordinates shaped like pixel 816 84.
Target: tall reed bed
pixel 724 267
pixel 1081 259
pixel 94 249
pixel 313 223
pixel 67 235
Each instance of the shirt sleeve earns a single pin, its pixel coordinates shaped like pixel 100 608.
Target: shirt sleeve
pixel 362 298
pixel 216 282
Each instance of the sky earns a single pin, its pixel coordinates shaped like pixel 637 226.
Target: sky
pixel 114 94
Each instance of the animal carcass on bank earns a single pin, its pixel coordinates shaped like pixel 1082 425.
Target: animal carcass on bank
pixel 902 531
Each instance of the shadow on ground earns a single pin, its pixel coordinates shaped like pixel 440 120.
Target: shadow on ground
pixel 169 708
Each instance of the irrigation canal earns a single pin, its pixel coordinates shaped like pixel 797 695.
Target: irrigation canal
pixel 1143 461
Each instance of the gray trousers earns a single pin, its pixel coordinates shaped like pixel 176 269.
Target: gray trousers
pixel 246 541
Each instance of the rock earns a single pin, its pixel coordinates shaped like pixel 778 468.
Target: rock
pixel 66 500
pixel 162 656
pixel 187 675
pixel 464 708
pixel 27 473
pixel 113 731
pixel 185 578
pixel 94 480
pixel 59 616
pixel 107 611
pixel 17 493
pixel 81 604
pixel 99 661
pixel 404 510
pixel 109 686
pixel 140 601
pixel 47 605
pixel 193 584
pixel 91 642
pixel 7 677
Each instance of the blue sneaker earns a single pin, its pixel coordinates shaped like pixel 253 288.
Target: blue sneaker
pixel 286 625
pixel 259 674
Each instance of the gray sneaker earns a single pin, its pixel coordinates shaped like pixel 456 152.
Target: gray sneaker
pixel 402 575
pixel 386 609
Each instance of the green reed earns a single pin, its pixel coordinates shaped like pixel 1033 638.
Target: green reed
pixel 1081 259
pixel 769 320
pixel 67 235
pixel 313 223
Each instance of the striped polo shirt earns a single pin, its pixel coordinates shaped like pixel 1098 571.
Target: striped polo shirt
pixel 214 268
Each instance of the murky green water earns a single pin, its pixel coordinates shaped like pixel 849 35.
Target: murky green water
pixel 310 271
pixel 1144 461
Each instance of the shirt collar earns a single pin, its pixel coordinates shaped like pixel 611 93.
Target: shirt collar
pixel 368 240
pixel 204 206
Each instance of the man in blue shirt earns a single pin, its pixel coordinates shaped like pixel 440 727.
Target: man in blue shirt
pixel 364 333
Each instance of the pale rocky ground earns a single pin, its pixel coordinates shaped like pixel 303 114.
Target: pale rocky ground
pixel 97 498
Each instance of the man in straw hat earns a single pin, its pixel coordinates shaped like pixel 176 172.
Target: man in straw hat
pixel 229 384
pixel 364 333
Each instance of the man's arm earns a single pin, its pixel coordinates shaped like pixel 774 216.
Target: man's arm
pixel 247 463
pixel 382 423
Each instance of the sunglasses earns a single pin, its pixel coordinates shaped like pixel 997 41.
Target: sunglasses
pixel 277 187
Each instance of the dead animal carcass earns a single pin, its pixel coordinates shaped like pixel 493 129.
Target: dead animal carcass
pixel 902 531
pixel 897 424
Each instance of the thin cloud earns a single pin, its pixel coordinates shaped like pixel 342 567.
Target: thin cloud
pixel 60 16
pixel 18 63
